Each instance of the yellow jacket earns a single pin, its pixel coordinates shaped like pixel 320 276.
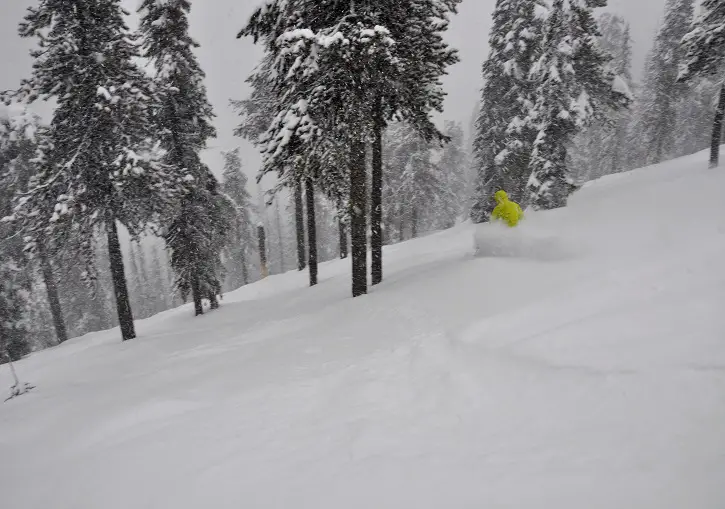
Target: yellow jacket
pixel 508 211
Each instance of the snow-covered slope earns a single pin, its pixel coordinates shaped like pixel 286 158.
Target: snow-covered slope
pixel 584 367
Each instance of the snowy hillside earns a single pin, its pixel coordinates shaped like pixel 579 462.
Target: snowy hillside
pixel 583 369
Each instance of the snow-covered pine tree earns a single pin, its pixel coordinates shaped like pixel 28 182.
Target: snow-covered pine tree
pixel 662 93
pixel 18 144
pixel 323 86
pixel 704 48
pixel 503 140
pixel 573 86
pixel 197 232
pixel 416 189
pixel 14 342
pixel 602 148
pixel 411 30
pixel 234 184
pixel 417 27
pixel 100 165
pixel 453 166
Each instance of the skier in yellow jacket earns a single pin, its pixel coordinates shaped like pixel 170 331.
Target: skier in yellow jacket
pixel 506 210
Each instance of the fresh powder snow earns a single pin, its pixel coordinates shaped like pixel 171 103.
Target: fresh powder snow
pixel 575 362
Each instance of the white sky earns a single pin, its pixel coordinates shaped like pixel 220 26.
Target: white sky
pixel 228 61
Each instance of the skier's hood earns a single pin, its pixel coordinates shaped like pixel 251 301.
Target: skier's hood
pixel 501 197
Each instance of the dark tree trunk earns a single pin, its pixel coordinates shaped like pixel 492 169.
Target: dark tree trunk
pixel 196 296
pixel 243 261
pixel 401 226
pixel 262 237
pixel 120 288
pixel 51 287
pixel 311 230
pixel 414 223
pixel 358 219
pixel 717 130
pixel 280 243
pixel 300 224
pixel 376 198
pixel 213 301
pixel 343 238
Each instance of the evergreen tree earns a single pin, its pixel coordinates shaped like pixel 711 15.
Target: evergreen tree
pixel 573 86
pixel 453 167
pixel 704 47
pixel 18 131
pixel 340 74
pixel 416 189
pixel 14 342
pixel 235 187
pixel 662 92
pixel 603 147
pixel 197 233
pixel 503 141
pixel 100 165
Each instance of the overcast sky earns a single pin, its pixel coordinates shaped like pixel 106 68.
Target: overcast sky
pixel 228 61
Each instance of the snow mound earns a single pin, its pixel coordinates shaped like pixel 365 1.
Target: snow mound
pixel 524 241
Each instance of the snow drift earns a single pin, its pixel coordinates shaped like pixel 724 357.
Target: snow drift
pixel 580 365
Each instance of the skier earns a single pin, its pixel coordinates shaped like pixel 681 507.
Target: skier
pixel 506 210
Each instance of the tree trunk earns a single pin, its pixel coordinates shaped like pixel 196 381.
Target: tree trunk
pixel 414 223
pixel 51 287
pixel 343 238
pixel 213 301
pixel 261 236
pixel 120 288
pixel 717 130
pixel 243 261
pixel 300 224
pixel 401 227
pixel 358 219
pixel 376 198
pixel 280 243
pixel 311 230
pixel 196 296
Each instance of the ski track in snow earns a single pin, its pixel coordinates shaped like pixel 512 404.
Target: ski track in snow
pixel 577 361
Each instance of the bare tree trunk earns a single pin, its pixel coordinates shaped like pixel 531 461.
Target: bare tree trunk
pixel 414 222
pixel 243 261
pixel 196 296
pixel 300 224
pixel 717 130
pixel 358 219
pixel 376 197
pixel 280 243
pixel 120 288
pixel 213 301
pixel 51 287
pixel 311 230
pixel 261 236
pixel 343 238
pixel 401 227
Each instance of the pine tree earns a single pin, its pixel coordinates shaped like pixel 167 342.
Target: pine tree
pixel 574 86
pixel 14 342
pixel 100 165
pixel 453 167
pixel 18 132
pixel 235 187
pixel 416 189
pixel 503 141
pixel 602 148
pixel 197 233
pixel 350 44
pixel 704 47
pixel 662 92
